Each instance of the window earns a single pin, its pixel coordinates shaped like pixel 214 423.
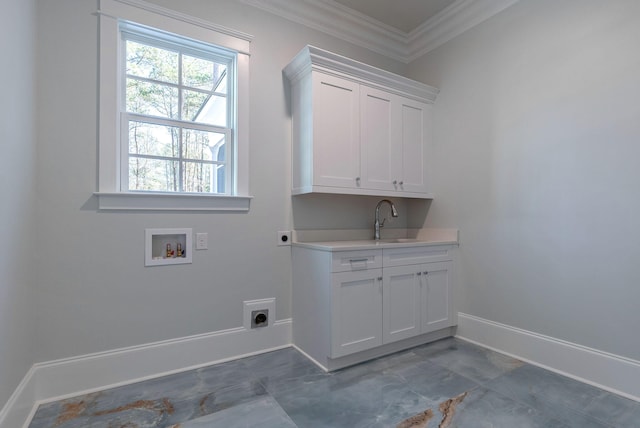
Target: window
pixel 177 114
pixel 173 111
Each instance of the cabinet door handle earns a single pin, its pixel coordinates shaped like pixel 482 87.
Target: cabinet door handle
pixel 357 180
pixel 419 273
pixel 395 182
pixel 425 273
pixel 402 183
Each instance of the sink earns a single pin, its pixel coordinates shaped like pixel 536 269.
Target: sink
pixel 398 240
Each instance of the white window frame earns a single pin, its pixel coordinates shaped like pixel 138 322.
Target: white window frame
pixel 110 195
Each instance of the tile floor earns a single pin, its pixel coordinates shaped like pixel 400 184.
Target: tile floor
pixel 283 389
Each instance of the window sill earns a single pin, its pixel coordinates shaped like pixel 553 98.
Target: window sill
pixel 126 201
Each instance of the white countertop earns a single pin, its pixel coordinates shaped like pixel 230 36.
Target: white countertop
pixel 350 240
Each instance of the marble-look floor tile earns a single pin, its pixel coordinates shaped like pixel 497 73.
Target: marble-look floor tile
pixel 469 360
pixel 279 366
pixel 574 403
pixel 615 410
pixel 337 401
pixel 264 412
pixel 182 397
pixel 282 388
pixel 434 382
pixel 629 420
pixel 483 408
pixel 376 394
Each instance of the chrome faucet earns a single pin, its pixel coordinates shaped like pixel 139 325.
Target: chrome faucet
pixel 377 225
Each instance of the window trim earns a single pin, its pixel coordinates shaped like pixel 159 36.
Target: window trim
pixel 109 195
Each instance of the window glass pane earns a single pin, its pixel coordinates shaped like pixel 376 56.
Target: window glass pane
pixel 193 104
pixel 203 108
pixel 201 178
pixel 203 145
pixel 219 182
pixel 153 140
pixel 151 62
pixel 153 174
pixel 203 73
pixel 152 99
pixel 197 72
pixel 222 85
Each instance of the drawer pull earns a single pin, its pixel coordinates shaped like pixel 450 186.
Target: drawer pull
pixel 358 260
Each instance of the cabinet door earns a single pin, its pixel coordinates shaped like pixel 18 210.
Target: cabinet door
pixel 401 303
pixel 356 311
pixel 380 149
pixel 336 131
pixel 437 309
pixel 415 120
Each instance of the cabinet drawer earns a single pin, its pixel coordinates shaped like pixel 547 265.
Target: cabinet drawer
pixel 416 255
pixel 346 261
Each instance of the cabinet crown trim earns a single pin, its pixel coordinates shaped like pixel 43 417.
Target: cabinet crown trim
pixel 313 58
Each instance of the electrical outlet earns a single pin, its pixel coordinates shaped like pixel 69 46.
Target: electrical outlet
pixel 284 237
pixel 202 241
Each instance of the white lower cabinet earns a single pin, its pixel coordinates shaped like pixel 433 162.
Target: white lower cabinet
pixel 417 300
pixel 356 324
pixel 437 290
pixel 349 302
pixel 402 304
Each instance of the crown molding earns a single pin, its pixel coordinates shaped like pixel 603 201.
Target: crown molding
pixel 460 16
pixel 313 58
pixel 354 27
pixel 336 20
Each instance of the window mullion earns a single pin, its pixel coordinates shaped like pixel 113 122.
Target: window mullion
pixel 156 120
pixel 181 130
pixel 180 161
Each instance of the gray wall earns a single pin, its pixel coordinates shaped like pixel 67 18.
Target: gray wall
pixel 537 136
pixel 17 194
pixel 94 293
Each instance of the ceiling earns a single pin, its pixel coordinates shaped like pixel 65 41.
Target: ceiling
pixel 404 15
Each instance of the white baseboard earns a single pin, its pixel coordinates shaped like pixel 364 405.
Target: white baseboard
pixel 65 378
pixel 610 372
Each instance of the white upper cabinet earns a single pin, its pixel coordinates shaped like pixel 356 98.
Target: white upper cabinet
pixel 358 129
pixel 415 119
pixel 380 150
pixel 394 142
pixel 335 104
